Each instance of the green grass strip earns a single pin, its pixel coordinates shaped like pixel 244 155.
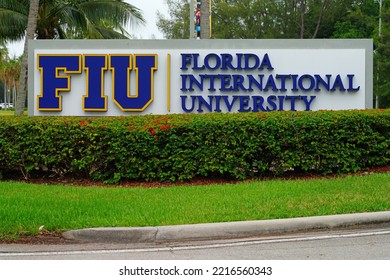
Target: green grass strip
pixel 6 113
pixel 9 112
pixel 25 207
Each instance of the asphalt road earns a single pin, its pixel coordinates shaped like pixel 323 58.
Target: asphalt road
pixel 358 244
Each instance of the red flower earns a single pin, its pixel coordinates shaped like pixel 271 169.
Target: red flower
pixel 165 127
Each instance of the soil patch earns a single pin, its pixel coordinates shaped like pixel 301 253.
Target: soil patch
pixel 194 182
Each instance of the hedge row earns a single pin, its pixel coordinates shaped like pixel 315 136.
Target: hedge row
pixel 181 147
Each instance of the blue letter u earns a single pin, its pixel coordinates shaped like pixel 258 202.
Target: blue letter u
pixel 121 66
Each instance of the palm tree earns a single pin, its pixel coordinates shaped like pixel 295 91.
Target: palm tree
pixel 4 58
pixel 205 19
pixel 31 27
pixel 3 53
pixel 9 74
pixel 58 19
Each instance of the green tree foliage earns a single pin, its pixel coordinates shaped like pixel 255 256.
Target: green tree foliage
pixel 246 19
pixel 3 60
pixel 69 19
pixel 251 19
pixel 178 25
pixel 382 60
pixel 360 21
pixel 3 53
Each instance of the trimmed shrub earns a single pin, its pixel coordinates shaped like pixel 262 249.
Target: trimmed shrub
pixel 181 147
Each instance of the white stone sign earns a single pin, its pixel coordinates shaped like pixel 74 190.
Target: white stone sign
pixel 128 77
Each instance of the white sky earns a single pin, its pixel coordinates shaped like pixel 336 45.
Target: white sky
pixel 149 9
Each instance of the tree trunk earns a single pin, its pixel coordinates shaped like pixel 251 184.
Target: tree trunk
pixel 14 93
pixel 5 93
pixel 303 10
pixel 320 18
pixel 205 19
pixel 31 27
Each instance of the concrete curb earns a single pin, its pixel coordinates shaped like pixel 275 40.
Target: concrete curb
pixel 226 230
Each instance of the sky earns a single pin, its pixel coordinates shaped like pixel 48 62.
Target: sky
pixel 149 9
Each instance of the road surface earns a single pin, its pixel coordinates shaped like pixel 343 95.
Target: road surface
pixel 358 244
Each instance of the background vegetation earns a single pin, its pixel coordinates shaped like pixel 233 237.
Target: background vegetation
pixel 182 147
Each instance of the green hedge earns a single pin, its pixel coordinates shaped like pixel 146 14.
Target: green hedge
pixel 181 147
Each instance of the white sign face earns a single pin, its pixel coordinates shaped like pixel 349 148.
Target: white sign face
pixel 115 77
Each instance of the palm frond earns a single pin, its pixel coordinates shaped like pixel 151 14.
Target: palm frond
pixel 108 33
pixel 13 19
pixel 116 10
pixel 74 18
pixel 12 25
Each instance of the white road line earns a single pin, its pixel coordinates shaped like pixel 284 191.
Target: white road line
pixel 194 247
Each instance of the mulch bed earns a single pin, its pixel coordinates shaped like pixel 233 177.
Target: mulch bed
pixel 194 182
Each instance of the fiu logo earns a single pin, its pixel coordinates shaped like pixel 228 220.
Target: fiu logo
pixel 53 81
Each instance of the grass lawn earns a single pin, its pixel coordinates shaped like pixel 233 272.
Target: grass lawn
pixel 25 207
pixel 7 113
pixel 11 112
